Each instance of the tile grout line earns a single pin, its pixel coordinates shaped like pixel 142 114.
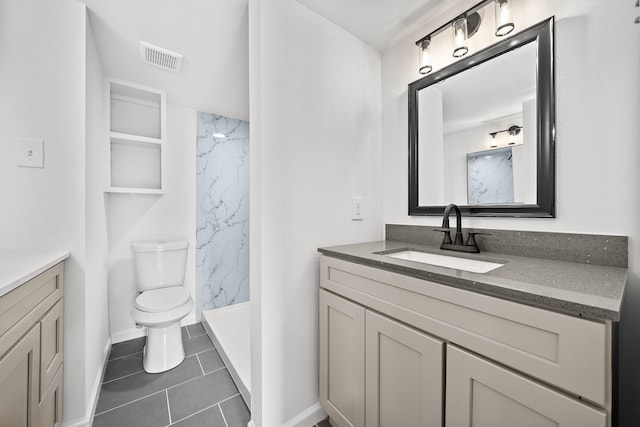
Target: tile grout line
pixel 193 379
pixel 166 393
pixel 124 355
pixel 129 402
pixel 200 363
pixel 223 417
pixel 208 407
pixel 124 376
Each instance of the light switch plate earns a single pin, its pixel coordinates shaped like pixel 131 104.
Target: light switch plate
pixel 30 153
pixel 356 208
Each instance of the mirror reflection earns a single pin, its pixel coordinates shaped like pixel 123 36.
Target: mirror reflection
pixel 477 134
pixel 463 116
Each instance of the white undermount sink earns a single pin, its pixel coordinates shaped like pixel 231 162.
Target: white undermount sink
pixel 471 265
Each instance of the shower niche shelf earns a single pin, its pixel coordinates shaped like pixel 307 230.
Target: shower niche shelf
pixel 137 133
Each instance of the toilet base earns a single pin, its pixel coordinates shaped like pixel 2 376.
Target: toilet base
pixel 163 349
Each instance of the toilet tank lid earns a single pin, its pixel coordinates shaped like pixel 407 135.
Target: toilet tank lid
pixel 159 245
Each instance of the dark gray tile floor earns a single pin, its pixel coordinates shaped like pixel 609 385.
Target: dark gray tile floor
pixel 323 423
pixel 197 393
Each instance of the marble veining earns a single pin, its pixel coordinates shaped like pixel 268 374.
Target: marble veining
pixel 490 177
pixel 222 212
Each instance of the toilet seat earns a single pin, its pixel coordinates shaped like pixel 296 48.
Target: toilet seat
pixel 163 299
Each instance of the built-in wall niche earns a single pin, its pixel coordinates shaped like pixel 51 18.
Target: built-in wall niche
pixel 137 117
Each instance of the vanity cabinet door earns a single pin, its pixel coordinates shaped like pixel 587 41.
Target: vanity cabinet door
pixel 19 381
pixel 342 360
pixel 480 393
pixel 404 375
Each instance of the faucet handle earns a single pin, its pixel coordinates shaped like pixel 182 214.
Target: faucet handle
pixel 471 240
pixel 447 234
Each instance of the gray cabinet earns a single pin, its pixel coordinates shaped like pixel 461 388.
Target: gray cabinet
pixel 506 363
pixel 342 360
pixel 404 375
pixel 371 361
pixel 483 394
pixel 19 381
pixel 31 352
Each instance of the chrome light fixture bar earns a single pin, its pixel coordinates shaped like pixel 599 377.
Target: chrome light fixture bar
pixel 464 26
pixel 513 131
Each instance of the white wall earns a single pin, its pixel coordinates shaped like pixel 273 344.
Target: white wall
pixel 45 62
pixel 315 143
pixel 96 299
pixel 147 217
pixel 597 52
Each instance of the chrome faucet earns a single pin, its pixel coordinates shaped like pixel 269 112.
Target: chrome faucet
pixel 458 241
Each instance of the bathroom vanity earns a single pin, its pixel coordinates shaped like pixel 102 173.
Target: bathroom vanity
pixel 408 343
pixel 31 330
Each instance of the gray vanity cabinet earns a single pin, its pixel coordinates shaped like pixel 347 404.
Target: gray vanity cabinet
pixel 483 394
pixel 403 375
pixel 371 363
pixel 398 351
pixel 31 352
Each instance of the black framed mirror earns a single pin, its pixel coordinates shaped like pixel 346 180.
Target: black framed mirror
pixel 482 131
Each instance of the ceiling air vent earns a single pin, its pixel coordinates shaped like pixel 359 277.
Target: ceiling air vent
pixel 160 57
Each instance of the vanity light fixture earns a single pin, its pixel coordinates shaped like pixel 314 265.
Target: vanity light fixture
pixel 464 26
pixel 459 27
pixel 425 57
pixel 504 18
pixel 494 143
pixel 218 135
pixel 512 131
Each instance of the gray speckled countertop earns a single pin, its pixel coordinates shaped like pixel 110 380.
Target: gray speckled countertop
pixel 591 291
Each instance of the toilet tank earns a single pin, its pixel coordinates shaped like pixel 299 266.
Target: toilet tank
pixel 159 264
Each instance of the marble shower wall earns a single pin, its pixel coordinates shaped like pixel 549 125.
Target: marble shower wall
pixel 222 212
pixel 490 176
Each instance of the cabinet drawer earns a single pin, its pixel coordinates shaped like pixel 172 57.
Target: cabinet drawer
pixel 50 346
pixel 21 308
pixel 483 394
pixel 568 352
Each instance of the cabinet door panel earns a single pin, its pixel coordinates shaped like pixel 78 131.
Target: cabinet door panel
pixel 404 374
pixel 51 346
pixel 482 394
pixel 342 360
pixel 50 409
pixel 19 378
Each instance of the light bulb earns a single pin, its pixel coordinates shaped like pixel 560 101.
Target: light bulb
pixel 504 20
pixel 460 37
pixel 425 66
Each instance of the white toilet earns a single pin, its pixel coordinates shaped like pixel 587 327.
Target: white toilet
pixel 164 301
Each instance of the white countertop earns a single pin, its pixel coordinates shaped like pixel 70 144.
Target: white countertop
pixel 18 268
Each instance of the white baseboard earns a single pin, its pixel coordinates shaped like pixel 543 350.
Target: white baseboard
pixel 133 333
pixel 87 420
pixel 307 418
pixel 127 335
pixel 310 417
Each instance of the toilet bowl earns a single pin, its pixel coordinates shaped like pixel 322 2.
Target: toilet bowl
pixel 163 301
